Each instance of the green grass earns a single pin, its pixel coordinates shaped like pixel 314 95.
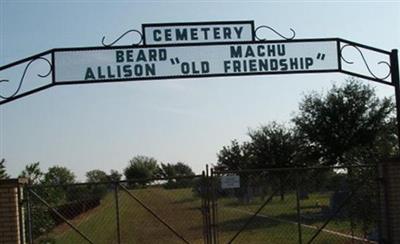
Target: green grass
pixel 177 207
pixel 181 210
pixel 277 221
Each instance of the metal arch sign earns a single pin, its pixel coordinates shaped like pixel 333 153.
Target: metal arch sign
pixel 195 50
pixel 201 32
pixel 185 50
pixel 223 59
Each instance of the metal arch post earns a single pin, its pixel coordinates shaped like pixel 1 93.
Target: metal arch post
pixel 394 69
pixel 394 66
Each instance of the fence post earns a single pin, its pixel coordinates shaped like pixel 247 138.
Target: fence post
pixel 390 200
pixel 298 207
pixel 213 195
pixel 11 224
pixel 203 206
pixel 117 212
pixel 29 217
pixel 207 197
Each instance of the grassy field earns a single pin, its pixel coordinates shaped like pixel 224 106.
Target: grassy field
pixel 181 210
pixel 277 221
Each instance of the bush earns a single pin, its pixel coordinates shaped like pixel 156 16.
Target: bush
pixel 73 209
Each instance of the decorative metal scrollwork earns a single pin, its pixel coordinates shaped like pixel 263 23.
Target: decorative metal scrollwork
pixel 273 30
pixel 2 96
pixel 119 38
pixel 365 62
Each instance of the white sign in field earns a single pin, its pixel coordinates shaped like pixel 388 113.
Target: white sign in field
pixel 140 63
pixel 156 34
pixel 230 181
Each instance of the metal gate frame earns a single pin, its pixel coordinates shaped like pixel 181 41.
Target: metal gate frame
pixel 117 187
pixel 351 194
pixel 209 205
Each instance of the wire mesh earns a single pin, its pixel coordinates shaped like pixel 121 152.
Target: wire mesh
pixel 314 205
pixel 116 212
pixel 87 207
pixel 165 211
pixel 308 205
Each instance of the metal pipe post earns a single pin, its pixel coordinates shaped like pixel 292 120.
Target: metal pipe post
pixel 394 69
pixel 298 208
pixel 21 215
pixel 117 212
pixel 213 207
pixel 29 203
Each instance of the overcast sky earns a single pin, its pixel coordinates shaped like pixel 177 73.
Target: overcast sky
pixel 102 126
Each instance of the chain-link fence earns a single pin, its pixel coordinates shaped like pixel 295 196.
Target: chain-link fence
pixel 310 205
pixel 297 205
pixel 150 211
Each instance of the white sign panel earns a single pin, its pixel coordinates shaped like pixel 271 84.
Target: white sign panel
pixel 230 181
pixel 157 34
pixel 141 63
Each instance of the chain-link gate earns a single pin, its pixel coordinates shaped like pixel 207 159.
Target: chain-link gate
pixel 298 205
pixel 291 205
pixel 163 210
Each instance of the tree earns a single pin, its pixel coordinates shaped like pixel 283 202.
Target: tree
pixel 238 157
pixel 272 146
pixel 33 173
pixel 3 173
pixel 183 169
pixel 114 176
pixel 140 169
pixel 59 193
pixel 235 156
pixel 58 175
pixel 55 195
pixel 167 170
pixel 97 189
pixel 174 171
pixel 348 125
pixel 96 176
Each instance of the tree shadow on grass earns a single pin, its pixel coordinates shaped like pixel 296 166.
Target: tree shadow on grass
pixel 257 223
pixel 312 218
pixel 186 200
pixel 259 230
pixel 267 221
